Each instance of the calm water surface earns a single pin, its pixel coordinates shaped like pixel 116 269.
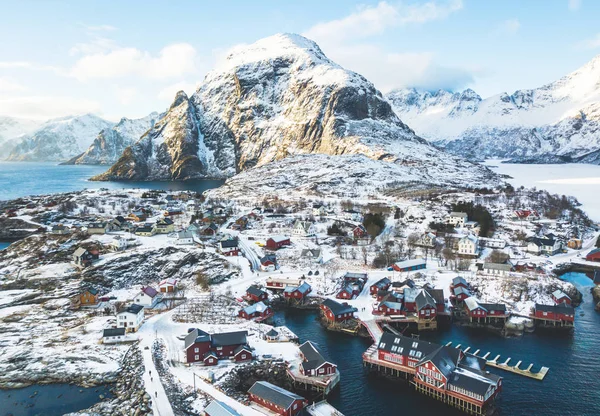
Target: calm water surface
pixel 568 389
pixel 50 399
pixel 19 179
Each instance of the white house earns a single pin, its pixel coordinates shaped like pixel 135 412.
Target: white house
pixel 492 242
pixel 114 336
pixel 147 297
pixel 304 229
pixel 184 238
pixel 497 269
pixel 468 245
pixel 118 243
pixel 318 210
pixel 312 254
pixel 352 215
pixel 427 240
pixel 457 219
pixel 131 318
pixel 547 245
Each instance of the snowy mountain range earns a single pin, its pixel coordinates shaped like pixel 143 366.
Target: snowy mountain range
pixel 11 127
pixel 279 98
pixel 58 139
pixel 111 142
pixel 558 122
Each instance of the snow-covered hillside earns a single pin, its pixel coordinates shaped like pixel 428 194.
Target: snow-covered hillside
pixel 277 98
pixel 110 143
pixel 12 127
pixel 59 139
pixel 559 121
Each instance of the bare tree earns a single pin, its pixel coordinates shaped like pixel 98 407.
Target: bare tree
pixel 365 254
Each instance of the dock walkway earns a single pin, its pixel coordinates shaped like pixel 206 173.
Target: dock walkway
pixel 504 365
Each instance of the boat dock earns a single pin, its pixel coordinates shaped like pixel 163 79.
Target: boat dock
pixel 506 367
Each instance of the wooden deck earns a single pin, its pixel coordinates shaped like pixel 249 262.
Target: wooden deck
pixel 506 367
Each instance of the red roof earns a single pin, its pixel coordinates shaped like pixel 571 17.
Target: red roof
pixel 150 291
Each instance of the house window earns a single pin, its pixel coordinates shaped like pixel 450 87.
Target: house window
pixel 196 349
pixel 243 356
pixel 196 357
pixel 321 371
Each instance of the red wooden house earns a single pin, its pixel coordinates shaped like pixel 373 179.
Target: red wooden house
pixel 389 306
pixel 297 292
pixel 425 305
pixel 276 399
pixel 410 298
pixel 242 353
pixel 593 255
pixel 558 296
pixel 474 309
pixel 258 311
pixel 561 313
pixel 382 284
pixel 313 364
pixel 278 241
pixel 337 312
pixel 256 294
pixel 346 292
pixel 359 231
pixel 460 293
pixel 438 296
pixel 459 282
pixel 455 377
pixel 198 344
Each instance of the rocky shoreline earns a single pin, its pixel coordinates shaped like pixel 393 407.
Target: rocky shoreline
pixel 130 397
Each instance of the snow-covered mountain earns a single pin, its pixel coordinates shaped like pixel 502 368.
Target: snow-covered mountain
pixel 59 139
pixel 557 122
pixel 275 99
pixel 12 127
pixel 110 143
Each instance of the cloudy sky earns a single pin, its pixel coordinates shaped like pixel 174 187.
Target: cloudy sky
pixel 117 58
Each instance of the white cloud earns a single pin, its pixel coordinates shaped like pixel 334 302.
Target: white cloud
pixel 45 107
pixel 168 92
pixel 387 69
pixel 126 95
pixel 369 21
pixel 592 43
pixel 574 5
pixel 10 85
pixel 97 44
pixel 510 26
pixel 172 61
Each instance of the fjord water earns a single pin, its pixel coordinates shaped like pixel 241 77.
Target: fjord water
pixel 49 399
pixel 20 179
pixel 567 390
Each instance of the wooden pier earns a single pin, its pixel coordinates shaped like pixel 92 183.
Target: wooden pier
pixel 506 367
pixel 322 408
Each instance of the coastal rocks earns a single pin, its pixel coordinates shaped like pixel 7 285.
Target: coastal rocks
pixel 239 380
pixel 596 296
pixel 130 397
pixel 13 229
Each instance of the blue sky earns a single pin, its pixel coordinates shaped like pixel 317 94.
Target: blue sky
pixel 128 58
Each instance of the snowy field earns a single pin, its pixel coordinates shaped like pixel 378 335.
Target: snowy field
pixel 577 179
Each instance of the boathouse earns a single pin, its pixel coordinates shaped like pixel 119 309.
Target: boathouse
pixel 337 312
pixel 257 311
pixel 280 283
pixel 410 265
pixel 444 373
pixel 297 292
pixel 313 363
pixel 276 399
pixel 555 315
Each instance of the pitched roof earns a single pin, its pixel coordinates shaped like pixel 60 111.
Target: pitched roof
pixel 313 359
pixel 444 358
pixel 472 303
pixel 255 290
pixel 229 243
pixel 272 333
pixel 134 308
pixel 497 266
pixel 274 394
pixel 494 306
pixel 184 235
pixel 560 308
pixel 307 252
pixel 338 308
pixel 150 291
pixel 459 290
pixel 410 294
pixel 196 335
pixel 279 238
pixel 410 263
pixel 355 276
pixel 424 299
pixel 399 344
pixel 113 332
pixel 217 408
pixel 229 338
pixel 437 295
pixel 458 280
pixel 80 252
pixel 303 288
pixel 258 307
pixel 560 294
pixel 382 283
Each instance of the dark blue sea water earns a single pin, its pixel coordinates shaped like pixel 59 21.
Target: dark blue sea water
pixel 50 400
pixel 569 389
pixel 3 245
pixel 19 179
